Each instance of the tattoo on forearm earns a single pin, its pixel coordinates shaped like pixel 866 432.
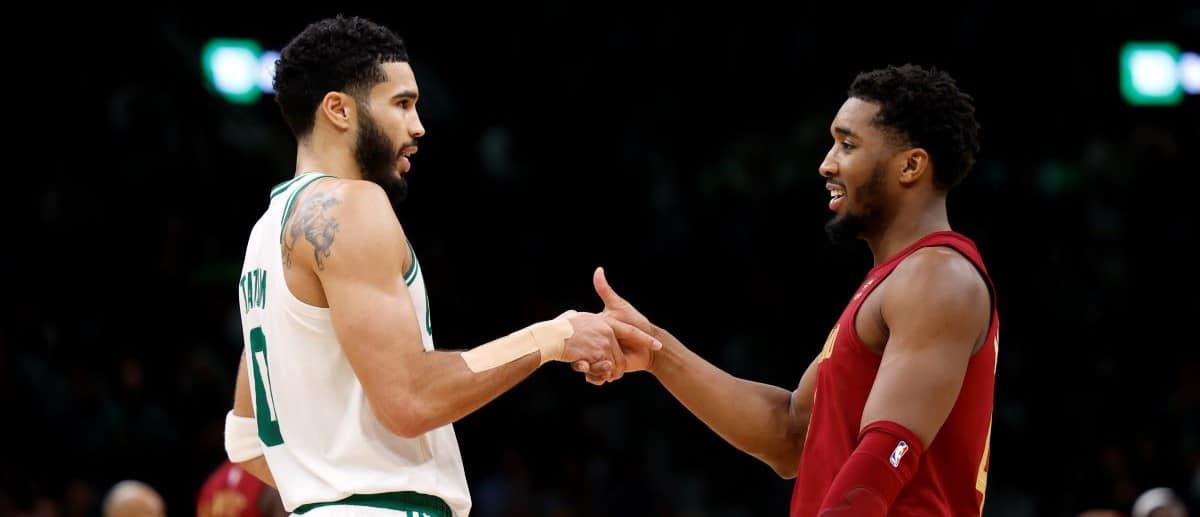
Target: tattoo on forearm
pixel 317 226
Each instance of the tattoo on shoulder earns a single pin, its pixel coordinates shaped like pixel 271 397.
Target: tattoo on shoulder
pixel 318 226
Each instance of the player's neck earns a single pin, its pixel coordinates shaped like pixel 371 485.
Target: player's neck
pixel 333 158
pixel 906 228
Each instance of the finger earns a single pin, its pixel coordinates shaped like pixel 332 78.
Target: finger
pixel 602 368
pixel 595 377
pixel 606 292
pixel 618 360
pixel 567 314
pixel 580 366
pixel 632 337
pixel 600 371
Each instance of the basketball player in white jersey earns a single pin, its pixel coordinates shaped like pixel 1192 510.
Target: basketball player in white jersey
pixel 342 401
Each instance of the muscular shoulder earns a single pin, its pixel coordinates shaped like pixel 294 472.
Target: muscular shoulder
pixel 341 221
pixel 939 285
pixel 351 199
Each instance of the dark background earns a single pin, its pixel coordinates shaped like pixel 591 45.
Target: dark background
pixel 675 145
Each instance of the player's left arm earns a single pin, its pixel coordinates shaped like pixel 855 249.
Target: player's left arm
pixel 937 312
pixel 243 407
pixel 936 308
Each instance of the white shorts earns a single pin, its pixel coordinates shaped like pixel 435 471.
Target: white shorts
pixel 388 504
pixel 350 510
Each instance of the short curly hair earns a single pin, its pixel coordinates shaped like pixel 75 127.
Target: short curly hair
pixel 925 108
pixel 335 54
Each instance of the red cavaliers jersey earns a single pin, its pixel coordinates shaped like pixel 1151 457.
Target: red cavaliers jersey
pixel 230 492
pixel 952 476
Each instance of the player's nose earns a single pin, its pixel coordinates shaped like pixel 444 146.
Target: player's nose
pixel 828 167
pixel 416 129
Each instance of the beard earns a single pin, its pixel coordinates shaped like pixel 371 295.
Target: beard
pixel 849 226
pixel 844 228
pixel 377 156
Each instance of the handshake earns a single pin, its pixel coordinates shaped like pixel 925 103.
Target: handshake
pixel 608 345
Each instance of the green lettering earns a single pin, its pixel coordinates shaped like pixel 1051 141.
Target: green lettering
pixel 253 286
pixel 245 288
pixel 262 291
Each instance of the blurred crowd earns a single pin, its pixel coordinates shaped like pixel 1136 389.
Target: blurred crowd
pixel 119 336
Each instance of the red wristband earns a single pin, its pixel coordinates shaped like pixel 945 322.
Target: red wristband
pixel 885 460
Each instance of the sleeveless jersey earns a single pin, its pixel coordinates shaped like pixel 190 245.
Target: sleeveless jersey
pixel 952 477
pixel 321 438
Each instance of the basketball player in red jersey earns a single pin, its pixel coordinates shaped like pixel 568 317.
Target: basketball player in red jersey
pixel 232 492
pixel 893 416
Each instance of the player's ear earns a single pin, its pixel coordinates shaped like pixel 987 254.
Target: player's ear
pixel 914 164
pixel 338 108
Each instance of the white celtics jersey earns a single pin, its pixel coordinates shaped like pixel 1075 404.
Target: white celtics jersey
pixel 321 438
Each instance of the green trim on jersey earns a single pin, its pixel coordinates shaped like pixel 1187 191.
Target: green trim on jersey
pixel 287 209
pixel 411 275
pixel 413 503
pixel 277 189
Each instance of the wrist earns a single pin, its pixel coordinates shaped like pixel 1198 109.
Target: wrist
pixel 551 338
pixel 547 338
pixel 654 365
pixel 657 332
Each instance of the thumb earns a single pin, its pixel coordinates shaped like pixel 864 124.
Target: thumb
pixel 606 292
pixel 632 337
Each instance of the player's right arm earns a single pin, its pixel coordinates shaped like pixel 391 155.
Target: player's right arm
pixel 764 421
pixel 357 250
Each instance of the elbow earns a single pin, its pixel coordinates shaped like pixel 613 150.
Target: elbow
pixel 784 458
pixel 405 418
pixel 785 464
pixel 785 468
pixel 408 432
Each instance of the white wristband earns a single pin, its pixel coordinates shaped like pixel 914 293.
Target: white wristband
pixel 241 438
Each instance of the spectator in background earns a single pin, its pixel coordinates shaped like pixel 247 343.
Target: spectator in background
pixel 1159 502
pixel 131 498
pixel 233 492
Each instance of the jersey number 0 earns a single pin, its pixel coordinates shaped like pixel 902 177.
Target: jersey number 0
pixel 264 401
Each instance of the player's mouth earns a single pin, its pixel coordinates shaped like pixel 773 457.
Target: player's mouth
pixel 837 193
pixel 404 165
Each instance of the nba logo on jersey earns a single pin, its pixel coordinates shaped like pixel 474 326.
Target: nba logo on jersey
pixel 898 453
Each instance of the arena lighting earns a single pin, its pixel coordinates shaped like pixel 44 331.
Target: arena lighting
pixel 238 69
pixel 1153 73
pixel 266 71
pixel 1189 72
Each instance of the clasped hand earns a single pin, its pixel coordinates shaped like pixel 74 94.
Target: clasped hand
pixel 606 346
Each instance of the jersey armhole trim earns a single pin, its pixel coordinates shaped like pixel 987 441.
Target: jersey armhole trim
pixel 411 275
pixel 287 208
